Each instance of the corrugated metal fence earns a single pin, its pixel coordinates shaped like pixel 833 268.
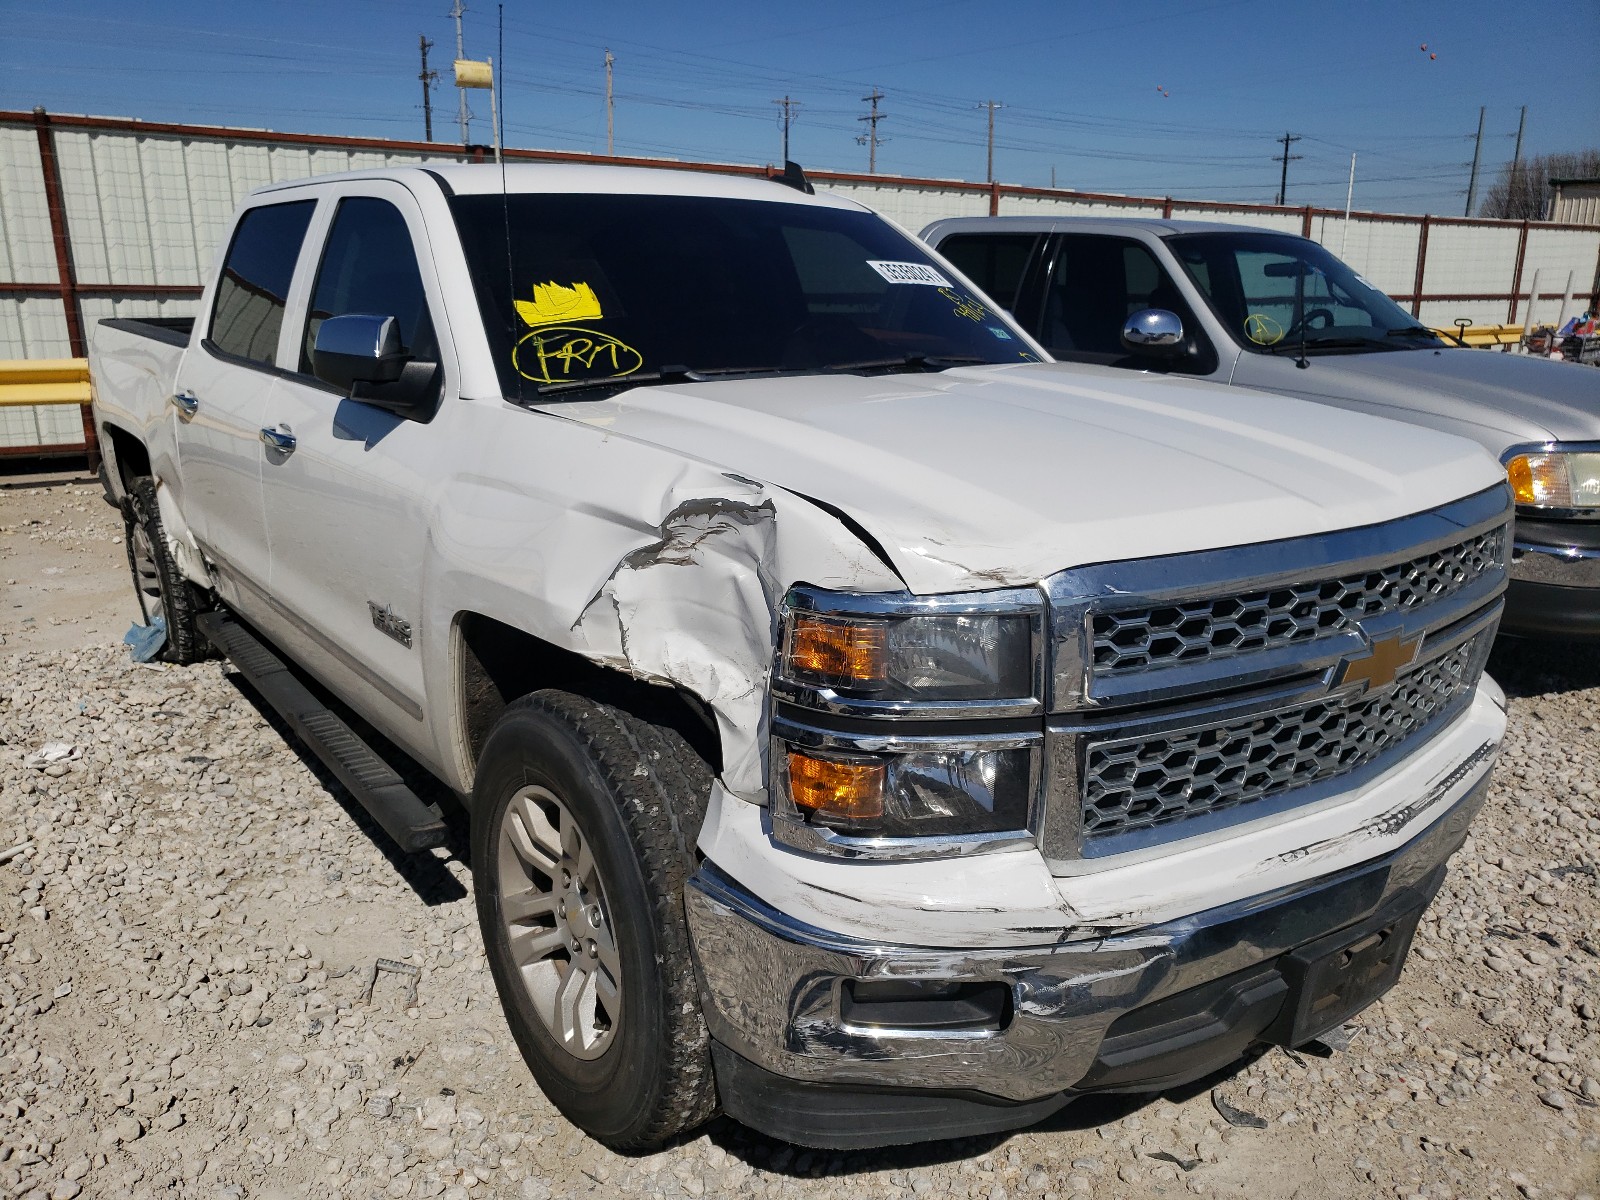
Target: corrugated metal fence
pixel 104 217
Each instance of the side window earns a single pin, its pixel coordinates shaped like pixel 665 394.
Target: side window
pixel 370 266
pixel 254 288
pixel 1098 283
pixel 995 262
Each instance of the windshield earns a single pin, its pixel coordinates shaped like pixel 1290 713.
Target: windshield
pixel 1269 288
pixel 666 288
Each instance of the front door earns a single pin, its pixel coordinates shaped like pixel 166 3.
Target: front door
pixel 349 496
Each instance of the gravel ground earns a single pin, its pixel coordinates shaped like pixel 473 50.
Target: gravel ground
pixel 188 1003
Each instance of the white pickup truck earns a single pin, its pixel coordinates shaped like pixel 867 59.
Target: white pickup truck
pixel 863 729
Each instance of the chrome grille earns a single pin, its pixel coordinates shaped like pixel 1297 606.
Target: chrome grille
pixel 1194 631
pixel 1140 782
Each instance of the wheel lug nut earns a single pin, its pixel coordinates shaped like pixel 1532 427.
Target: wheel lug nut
pixel 596 917
pixel 594 951
pixel 561 910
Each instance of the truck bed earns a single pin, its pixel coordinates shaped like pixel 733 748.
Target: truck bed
pixel 133 364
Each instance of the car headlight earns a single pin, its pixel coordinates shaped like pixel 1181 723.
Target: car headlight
pixel 1555 479
pixel 917 657
pixel 858 765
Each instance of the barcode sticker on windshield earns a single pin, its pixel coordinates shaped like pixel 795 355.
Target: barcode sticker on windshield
pixel 904 272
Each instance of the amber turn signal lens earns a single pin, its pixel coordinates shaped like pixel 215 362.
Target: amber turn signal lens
pixel 841 651
pixel 840 791
pixel 1539 479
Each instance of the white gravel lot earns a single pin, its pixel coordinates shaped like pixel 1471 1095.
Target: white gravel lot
pixel 190 915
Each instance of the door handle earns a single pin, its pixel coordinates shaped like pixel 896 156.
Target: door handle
pixel 187 403
pixel 279 439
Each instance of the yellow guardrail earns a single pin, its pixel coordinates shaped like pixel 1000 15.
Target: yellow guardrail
pixel 1482 335
pixel 44 381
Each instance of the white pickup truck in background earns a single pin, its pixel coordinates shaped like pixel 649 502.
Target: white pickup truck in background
pixel 864 726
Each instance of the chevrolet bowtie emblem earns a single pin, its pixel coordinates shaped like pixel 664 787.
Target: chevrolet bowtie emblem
pixel 1383 660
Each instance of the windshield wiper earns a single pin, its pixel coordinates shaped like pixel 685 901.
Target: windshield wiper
pixel 1310 344
pixel 666 375
pixel 1416 331
pixel 908 363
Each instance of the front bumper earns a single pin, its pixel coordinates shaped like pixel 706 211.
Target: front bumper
pixel 1139 1011
pixel 1555 581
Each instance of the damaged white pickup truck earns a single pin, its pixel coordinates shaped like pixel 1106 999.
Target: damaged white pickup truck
pixel 862 730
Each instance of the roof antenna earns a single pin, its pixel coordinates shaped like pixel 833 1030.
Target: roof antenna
pixel 794 177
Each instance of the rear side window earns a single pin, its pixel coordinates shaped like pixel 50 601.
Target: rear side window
pixel 995 262
pixel 370 266
pixel 254 288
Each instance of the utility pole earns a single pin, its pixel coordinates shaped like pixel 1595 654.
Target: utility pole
pixel 991 105
pixel 870 139
pixel 1283 183
pixel 788 107
pixel 610 108
pixel 1477 155
pixel 1516 155
pixel 427 78
pixel 458 10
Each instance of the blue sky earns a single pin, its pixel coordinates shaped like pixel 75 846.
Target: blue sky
pixel 1162 97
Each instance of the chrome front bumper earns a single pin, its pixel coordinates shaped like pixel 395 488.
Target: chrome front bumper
pixel 1559 566
pixel 774 990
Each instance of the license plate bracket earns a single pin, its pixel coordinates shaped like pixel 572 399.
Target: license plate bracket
pixel 1335 977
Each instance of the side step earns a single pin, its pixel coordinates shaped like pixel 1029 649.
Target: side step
pixel 412 824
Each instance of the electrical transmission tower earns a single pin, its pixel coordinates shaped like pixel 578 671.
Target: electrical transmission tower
pixel 870 139
pixel 789 107
pixel 991 105
pixel 427 77
pixel 1286 158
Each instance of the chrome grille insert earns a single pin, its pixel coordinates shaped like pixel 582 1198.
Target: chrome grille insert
pixel 1151 780
pixel 1192 631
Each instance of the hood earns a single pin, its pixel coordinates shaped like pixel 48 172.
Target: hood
pixel 1000 476
pixel 1498 400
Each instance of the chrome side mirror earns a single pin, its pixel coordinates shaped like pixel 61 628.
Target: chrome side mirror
pixel 358 348
pixel 1154 333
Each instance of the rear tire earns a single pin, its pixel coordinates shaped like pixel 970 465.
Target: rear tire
pixel 162 589
pixel 583 831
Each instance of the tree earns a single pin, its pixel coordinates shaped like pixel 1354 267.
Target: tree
pixel 1523 189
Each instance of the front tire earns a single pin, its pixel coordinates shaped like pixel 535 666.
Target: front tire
pixel 584 821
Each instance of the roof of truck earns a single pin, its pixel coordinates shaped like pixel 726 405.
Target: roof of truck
pixel 476 179
pixel 1159 226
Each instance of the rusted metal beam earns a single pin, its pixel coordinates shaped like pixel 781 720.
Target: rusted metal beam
pixel 104 289
pixel 1516 274
pixel 1422 266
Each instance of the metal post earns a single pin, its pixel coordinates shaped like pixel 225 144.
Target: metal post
pixel 427 78
pixel 458 10
pixel 494 111
pixel 1566 301
pixel 1533 295
pixel 1477 156
pixel 1422 267
pixel 66 276
pixel 609 107
pixel 1516 274
pixel 1349 195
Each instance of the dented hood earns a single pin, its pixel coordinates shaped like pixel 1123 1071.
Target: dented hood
pixel 999 476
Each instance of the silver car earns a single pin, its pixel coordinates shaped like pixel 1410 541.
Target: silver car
pixel 1270 311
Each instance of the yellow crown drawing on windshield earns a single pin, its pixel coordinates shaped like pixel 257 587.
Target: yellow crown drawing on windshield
pixel 552 302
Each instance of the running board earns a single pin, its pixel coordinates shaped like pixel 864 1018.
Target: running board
pixel 412 824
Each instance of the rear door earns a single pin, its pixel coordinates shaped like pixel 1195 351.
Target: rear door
pixel 349 507
pixel 222 392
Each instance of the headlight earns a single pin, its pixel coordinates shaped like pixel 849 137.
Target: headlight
pixel 858 765
pixel 912 657
pixel 1557 479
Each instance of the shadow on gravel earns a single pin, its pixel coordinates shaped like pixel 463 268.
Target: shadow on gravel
pixel 1540 668
pixel 1084 1113
pixel 423 873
